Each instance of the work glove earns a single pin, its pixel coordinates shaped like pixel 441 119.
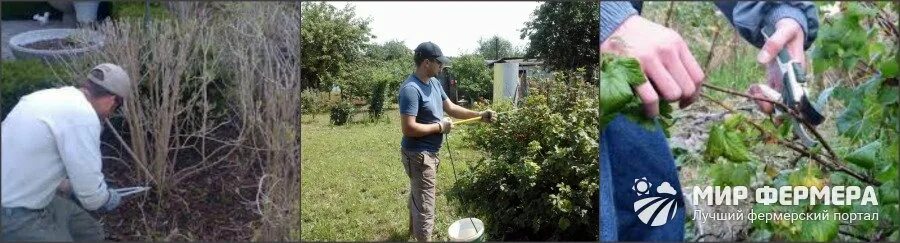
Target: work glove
pixel 113 202
pixel 446 124
pixel 488 116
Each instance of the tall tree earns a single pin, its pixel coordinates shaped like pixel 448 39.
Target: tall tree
pixel 473 77
pixel 389 51
pixel 331 39
pixel 497 47
pixel 565 35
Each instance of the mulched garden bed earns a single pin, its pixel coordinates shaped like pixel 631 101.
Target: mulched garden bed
pixel 217 204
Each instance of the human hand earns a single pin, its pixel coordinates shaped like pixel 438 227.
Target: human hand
pixel 112 202
pixel 788 35
pixel 64 188
pixel 488 116
pixel 664 57
pixel 446 125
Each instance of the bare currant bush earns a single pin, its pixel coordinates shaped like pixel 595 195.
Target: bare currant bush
pixel 264 49
pixel 221 83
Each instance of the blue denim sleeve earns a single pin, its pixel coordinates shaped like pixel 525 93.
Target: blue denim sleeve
pixel 612 14
pixel 748 17
pixel 408 100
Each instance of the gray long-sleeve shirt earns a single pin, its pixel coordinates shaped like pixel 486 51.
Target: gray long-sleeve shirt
pixel 747 17
pixel 51 135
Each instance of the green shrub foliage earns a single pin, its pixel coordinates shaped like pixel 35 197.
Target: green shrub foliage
pixel 539 180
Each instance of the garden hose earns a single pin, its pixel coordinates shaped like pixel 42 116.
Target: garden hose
pixel 453 166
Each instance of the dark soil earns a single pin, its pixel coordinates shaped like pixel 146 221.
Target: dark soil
pixel 57 44
pixel 216 204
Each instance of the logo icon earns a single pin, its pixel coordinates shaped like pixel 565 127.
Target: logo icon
pixel 658 209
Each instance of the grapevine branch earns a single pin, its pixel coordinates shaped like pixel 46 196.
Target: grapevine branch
pixel 800 149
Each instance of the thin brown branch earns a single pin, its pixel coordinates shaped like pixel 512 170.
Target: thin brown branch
pixel 669 13
pixel 800 149
pixel 720 89
pixel 712 47
pixel 791 111
pixel 825 144
pixel 128 149
pixel 858 237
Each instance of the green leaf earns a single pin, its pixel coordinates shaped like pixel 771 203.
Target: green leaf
pixel 888 95
pixel 863 113
pixel 887 193
pixel 731 174
pixel 784 130
pixel 727 144
pixel 617 76
pixel 888 173
pixel 630 68
pixel 888 67
pixel 616 92
pixel 563 223
pixel 866 156
pixel 715 145
pixel 821 65
pixel 732 122
pixel 818 230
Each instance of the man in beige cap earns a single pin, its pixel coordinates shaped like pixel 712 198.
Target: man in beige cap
pixel 51 159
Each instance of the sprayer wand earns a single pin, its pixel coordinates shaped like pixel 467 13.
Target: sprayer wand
pixel 479 118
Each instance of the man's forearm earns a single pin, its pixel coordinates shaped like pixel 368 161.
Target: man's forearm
pixel 460 112
pixel 411 128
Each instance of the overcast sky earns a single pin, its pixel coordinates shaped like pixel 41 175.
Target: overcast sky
pixel 454 26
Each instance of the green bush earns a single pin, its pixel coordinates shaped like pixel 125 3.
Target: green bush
pixel 359 83
pixel 135 10
pixel 376 102
pixel 540 178
pixel 313 102
pixel 342 112
pixel 473 76
pixel 21 77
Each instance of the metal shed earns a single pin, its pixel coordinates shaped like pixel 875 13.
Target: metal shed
pixel 511 76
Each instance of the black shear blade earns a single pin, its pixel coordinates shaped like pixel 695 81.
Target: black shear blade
pixel 810 113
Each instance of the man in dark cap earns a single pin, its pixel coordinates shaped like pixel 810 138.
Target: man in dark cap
pixel 422 106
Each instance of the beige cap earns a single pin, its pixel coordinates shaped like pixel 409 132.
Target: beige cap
pixel 113 78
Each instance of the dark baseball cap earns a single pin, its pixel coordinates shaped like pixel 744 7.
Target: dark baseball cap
pixel 430 50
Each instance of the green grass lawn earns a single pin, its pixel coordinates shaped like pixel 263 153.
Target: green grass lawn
pixel 353 185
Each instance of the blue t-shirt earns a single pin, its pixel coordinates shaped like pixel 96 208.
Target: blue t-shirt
pixel 425 101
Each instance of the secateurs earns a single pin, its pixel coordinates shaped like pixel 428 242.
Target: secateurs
pixel 794 93
pixel 130 190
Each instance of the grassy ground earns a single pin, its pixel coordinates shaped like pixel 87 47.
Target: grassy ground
pixel 353 186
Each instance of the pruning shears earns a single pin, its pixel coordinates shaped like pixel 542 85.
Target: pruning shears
pixel 794 93
pixel 130 190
